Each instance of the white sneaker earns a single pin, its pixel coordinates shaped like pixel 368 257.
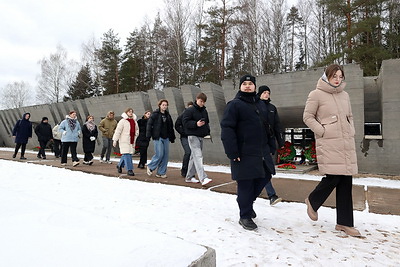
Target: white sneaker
pixel 206 181
pixel 161 176
pixel 108 161
pixel 192 180
pixel 101 160
pixel 149 172
pixel 75 163
pixel 63 164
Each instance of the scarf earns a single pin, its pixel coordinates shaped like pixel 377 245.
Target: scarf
pixel 132 132
pixel 90 125
pixel 71 123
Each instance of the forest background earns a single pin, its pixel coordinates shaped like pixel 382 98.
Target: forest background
pixel 195 41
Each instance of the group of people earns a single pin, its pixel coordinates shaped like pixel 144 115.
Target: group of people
pixel 250 130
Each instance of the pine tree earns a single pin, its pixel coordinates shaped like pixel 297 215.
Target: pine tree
pixel 110 60
pixel 82 87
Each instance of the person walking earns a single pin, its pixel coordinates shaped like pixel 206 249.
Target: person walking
pixel 264 92
pixel 125 134
pixel 328 114
pixel 160 127
pixel 107 127
pixel 196 125
pixel 56 141
pixel 245 139
pixel 70 130
pixel 22 132
pixel 89 132
pixel 142 140
pixel 184 142
pixel 44 134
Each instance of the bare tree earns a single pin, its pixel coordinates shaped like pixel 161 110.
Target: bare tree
pixel 56 77
pixel 90 57
pixel 16 95
pixel 178 13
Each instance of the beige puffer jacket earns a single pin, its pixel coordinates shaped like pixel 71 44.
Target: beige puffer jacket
pixel 328 114
pixel 122 134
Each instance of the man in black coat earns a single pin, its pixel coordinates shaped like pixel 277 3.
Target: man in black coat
pixel 245 139
pixel 44 134
pixel 184 142
pixel 274 121
pixel 196 124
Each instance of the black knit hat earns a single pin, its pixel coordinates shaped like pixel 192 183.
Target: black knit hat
pixel 247 77
pixel 45 119
pixel 262 89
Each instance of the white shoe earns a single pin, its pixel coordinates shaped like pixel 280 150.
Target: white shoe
pixel 75 163
pixel 206 181
pixel 192 180
pixel 161 176
pixel 63 164
pixel 149 172
pixel 108 161
pixel 101 160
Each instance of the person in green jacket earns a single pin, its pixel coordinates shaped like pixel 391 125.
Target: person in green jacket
pixel 107 127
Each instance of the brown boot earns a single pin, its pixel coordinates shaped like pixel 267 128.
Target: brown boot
pixel 351 231
pixel 311 212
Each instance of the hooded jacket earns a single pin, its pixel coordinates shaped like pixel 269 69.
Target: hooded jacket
pixel 22 130
pixel 122 134
pixel 328 114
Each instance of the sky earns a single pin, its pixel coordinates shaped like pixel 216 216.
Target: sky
pixel 58 217
pixel 31 30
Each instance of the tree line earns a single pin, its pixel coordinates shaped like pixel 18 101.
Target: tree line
pixel 195 41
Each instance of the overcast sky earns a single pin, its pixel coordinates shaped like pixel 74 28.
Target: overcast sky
pixel 32 29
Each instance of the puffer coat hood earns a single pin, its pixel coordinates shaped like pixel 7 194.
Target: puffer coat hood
pixel 328 114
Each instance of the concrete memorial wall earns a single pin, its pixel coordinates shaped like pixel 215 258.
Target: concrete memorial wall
pixel 373 99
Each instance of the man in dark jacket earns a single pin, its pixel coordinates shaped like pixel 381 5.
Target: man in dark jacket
pixel 245 139
pixel 274 121
pixel 184 142
pixel 22 132
pixel 196 124
pixel 44 134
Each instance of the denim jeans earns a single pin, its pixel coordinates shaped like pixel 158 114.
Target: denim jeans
pixel 107 144
pixel 196 158
pixel 126 159
pixel 160 158
pixel 270 189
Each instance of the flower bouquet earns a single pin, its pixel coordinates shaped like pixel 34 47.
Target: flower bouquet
pixel 310 153
pixel 287 166
pixel 286 153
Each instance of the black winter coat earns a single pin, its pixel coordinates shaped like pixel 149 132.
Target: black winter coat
pixel 88 145
pixel 142 140
pixel 179 126
pixel 22 130
pixel 274 121
pixel 190 118
pixel 244 136
pixel 153 128
pixel 44 132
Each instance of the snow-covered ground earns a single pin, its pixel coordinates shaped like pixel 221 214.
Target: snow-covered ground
pixel 57 217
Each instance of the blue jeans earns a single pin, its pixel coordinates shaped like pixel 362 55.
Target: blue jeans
pixel 126 159
pixel 270 189
pixel 160 158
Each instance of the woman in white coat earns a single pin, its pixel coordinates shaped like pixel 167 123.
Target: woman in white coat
pixel 126 133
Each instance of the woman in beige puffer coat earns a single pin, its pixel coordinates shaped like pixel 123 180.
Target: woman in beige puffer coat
pixel 125 134
pixel 328 114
